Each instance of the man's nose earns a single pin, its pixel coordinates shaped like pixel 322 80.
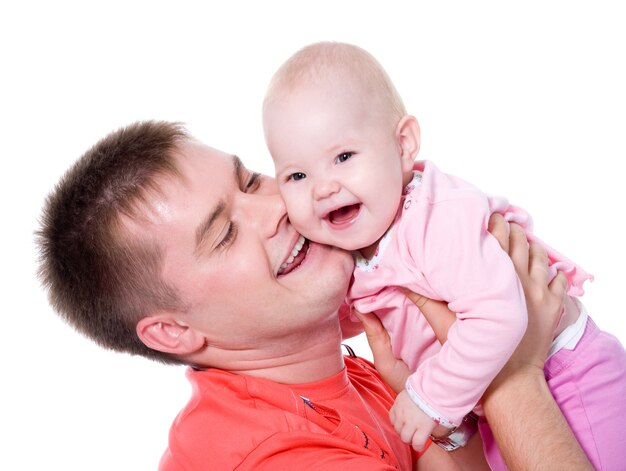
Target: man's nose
pixel 267 212
pixel 325 188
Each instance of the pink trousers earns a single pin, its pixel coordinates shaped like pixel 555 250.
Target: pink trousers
pixel 589 385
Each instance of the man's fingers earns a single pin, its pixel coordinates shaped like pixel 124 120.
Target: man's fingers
pixel 377 337
pixel 558 285
pixel 393 371
pixel 436 313
pixel 415 298
pixel 518 249
pixel 538 263
pixel 374 329
pixel 499 228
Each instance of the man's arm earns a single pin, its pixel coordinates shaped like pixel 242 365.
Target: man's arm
pixel 529 427
pixel 530 430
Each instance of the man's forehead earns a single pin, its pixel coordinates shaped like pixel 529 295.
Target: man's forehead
pixel 194 155
pixel 194 150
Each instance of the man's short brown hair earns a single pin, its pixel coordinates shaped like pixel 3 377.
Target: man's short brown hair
pixel 101 279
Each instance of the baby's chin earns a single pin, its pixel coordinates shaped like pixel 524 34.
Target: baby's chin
pixel 329 239
pixel 351 244
pixel 346 240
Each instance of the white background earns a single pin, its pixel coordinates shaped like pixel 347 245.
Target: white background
pixel 523 99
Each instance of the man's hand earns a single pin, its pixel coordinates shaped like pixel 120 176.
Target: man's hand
pixel 393 371
pixel 544 301
pixel 413 426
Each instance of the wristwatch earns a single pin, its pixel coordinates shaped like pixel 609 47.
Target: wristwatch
pixel 458 436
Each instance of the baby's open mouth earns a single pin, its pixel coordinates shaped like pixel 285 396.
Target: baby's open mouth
pixel 344 214
pixel 296 257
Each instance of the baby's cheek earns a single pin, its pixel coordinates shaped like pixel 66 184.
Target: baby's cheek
pixel 307 224
pixel 304 221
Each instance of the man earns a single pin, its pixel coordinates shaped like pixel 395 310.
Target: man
pixel 155 244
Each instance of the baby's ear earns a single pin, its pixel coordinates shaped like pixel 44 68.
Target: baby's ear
pixel 408 137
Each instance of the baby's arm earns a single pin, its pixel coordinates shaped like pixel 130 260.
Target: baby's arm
pixel 462 263
pixel 413 425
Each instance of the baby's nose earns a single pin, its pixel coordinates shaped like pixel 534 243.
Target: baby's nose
pixel 326 188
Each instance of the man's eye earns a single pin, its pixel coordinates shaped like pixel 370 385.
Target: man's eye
pixel 253 182
pixel 297 176
pixel 343 157
pixel 231 232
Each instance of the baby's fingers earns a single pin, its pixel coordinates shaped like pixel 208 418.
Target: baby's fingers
pixel 419 440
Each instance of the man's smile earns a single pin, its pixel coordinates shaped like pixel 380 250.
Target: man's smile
pixel 295 257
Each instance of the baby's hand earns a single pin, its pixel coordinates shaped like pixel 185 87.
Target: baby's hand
pixel 413 425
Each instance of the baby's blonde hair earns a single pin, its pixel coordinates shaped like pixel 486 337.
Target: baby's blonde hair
pixel 328 60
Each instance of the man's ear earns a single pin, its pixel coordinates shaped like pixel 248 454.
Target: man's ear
pixel 408 137
pixel 165 333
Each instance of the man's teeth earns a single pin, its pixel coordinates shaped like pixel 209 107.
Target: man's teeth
pixel 294 253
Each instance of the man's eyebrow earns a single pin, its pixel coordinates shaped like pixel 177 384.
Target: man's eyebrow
pixel 237 167
pixel 205 226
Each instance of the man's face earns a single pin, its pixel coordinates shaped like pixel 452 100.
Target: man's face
pixel 240 266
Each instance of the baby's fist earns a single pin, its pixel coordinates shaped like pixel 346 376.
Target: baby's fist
pixel 413 425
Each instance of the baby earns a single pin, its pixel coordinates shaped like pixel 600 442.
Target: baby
pixel 344 150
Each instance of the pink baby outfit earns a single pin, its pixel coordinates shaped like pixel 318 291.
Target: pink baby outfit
pixel 439 246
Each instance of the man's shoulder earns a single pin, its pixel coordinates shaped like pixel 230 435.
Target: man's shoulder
pixel 362 371
pixel 241 415
pixel 226 417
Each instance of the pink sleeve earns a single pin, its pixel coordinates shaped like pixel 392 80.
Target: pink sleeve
pixel 463 264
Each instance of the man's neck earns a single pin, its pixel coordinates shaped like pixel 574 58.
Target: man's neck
pixel 308 365
pixel 302 358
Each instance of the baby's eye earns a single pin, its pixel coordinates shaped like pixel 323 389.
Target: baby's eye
pixel 297 176
pixel 343 157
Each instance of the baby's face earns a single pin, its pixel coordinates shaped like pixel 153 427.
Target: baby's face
pixel 337 164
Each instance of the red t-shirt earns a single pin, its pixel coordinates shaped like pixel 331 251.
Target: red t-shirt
pixel 245 423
